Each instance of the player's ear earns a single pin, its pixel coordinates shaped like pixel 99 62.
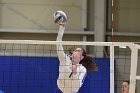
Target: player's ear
pixel 82 57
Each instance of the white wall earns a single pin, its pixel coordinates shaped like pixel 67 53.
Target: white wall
pixel 38 14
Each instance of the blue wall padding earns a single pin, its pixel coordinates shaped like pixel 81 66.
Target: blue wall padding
pixel 39 75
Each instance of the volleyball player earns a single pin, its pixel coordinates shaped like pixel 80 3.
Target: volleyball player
pixel 125 87
pixel 71 73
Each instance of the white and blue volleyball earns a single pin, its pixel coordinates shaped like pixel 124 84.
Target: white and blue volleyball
pixel 60 17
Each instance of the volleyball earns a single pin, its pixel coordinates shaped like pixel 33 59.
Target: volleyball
pixel 60 17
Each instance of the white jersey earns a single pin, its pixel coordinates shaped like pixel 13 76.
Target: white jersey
pixel 68 82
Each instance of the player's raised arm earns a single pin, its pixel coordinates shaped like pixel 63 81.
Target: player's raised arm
pixel 60 18
pixel 60 50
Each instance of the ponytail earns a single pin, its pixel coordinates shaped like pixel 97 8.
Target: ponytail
pixel 89 63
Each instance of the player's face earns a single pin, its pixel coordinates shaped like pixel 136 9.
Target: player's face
pixel 125 87
pixel 77 55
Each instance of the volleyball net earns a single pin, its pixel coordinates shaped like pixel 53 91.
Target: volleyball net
pixel 31 66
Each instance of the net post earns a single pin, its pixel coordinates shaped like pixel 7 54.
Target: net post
pixel 133 69
pixel 112 68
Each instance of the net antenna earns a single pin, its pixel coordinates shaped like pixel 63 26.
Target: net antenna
pixel 133 47
pixel 112 64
